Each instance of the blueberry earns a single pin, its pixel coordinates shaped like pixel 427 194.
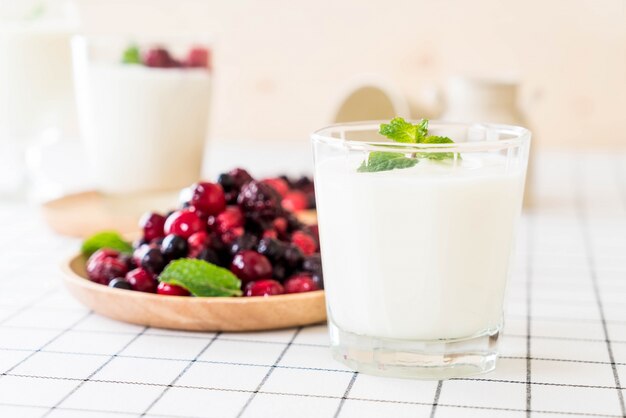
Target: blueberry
pixel 153 261
pixel 280 272
pixel 244 242
pixel 210 255
pixel 227 182
pixel 272 248
pixel 120 283
pixel 293 257
pixel 174 247
pixel 313 264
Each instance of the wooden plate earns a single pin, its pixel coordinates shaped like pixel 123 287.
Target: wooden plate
pixel 84 214
pixel 191 313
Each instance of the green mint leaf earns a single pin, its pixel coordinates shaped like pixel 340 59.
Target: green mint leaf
pixel 384 161
pixel 201 278
pixel 400 131
pixel 131 55
pixel 438 155
pixel 105 239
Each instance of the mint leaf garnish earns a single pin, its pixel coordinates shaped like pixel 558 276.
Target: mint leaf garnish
pixel 105 239
pixel 201 278
pixel 402 131
pixel 437 155
pixel 131 55
pixel 384 161
pixel 405 132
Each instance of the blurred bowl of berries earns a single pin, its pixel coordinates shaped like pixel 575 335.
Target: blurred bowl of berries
pixel 233 256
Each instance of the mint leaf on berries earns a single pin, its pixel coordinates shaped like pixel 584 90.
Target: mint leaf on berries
pixel 201 278
pixel 105 239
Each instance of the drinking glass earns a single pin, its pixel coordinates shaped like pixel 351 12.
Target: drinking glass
pixel 145 121
pixel 416 259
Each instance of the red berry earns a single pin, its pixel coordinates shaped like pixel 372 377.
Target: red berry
pixel 295 201
pixel 198 57
pixel 208 198
pixel 249 265
pixel 278 184
pixel 270 233
pixel 197 242
pixel 232 217
pixel 232 234
pixel 183 223
pixel 152 225
pixel 141 280
pixel 315 232
pixel 299 283
pixel 158 58
pixel 304 242
pixel 265 287
pixel 171 290
pixel 281 225
pixel 105 265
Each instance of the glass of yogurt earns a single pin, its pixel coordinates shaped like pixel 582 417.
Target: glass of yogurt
pixel 36 89
pixel 416 256
pixel 143 108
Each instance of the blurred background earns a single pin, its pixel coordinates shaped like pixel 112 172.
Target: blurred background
pixel 281 69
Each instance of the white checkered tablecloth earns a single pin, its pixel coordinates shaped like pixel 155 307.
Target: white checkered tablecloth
pixel 563 353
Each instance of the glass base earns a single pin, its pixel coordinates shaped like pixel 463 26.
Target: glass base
pixel 437 360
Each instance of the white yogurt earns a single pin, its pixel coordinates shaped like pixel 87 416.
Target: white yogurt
pixel 145 127
pixel 419 253
pixel 36 91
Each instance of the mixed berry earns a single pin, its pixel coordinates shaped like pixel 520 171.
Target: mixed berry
pixel 160 57
pixel 239 223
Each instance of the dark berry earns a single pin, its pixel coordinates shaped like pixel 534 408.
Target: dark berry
pixel 244 242
pixel 298 283
pixel 120 283
pixel 319 280
pixel 313 264
pixel 249 265
pixel 278 184
pixel 259 199
pixel 266 287
pixel 293 224
pixel 293 257
pixel 183 223
pixel 208 198
pixel 198 57
pixel 171 290
pixel 158 58
pixel 304 183
pixel 231 218
pixel 153 261
pixel 174 247
pixel 141 280
pixel 310 196
pixel 304 242
pixel 127 259
pixel 240 177
pixel 227 182
pixel 272 248
pixel 295 201
pixel 104 265
pixel 210 255
pixel 279 272
pixel 152 225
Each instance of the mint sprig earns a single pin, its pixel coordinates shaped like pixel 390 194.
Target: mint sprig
pixel 384 161
pixel 201 278
pixel 105 239
pixel 404 132
pixel 131 55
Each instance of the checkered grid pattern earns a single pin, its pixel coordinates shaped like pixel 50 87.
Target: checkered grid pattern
pixel 564 349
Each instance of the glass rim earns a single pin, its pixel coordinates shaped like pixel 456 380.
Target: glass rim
pixel 520 136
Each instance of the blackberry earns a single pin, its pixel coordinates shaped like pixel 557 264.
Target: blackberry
pixel 244 242
pixel 272 249
pixel 260 200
